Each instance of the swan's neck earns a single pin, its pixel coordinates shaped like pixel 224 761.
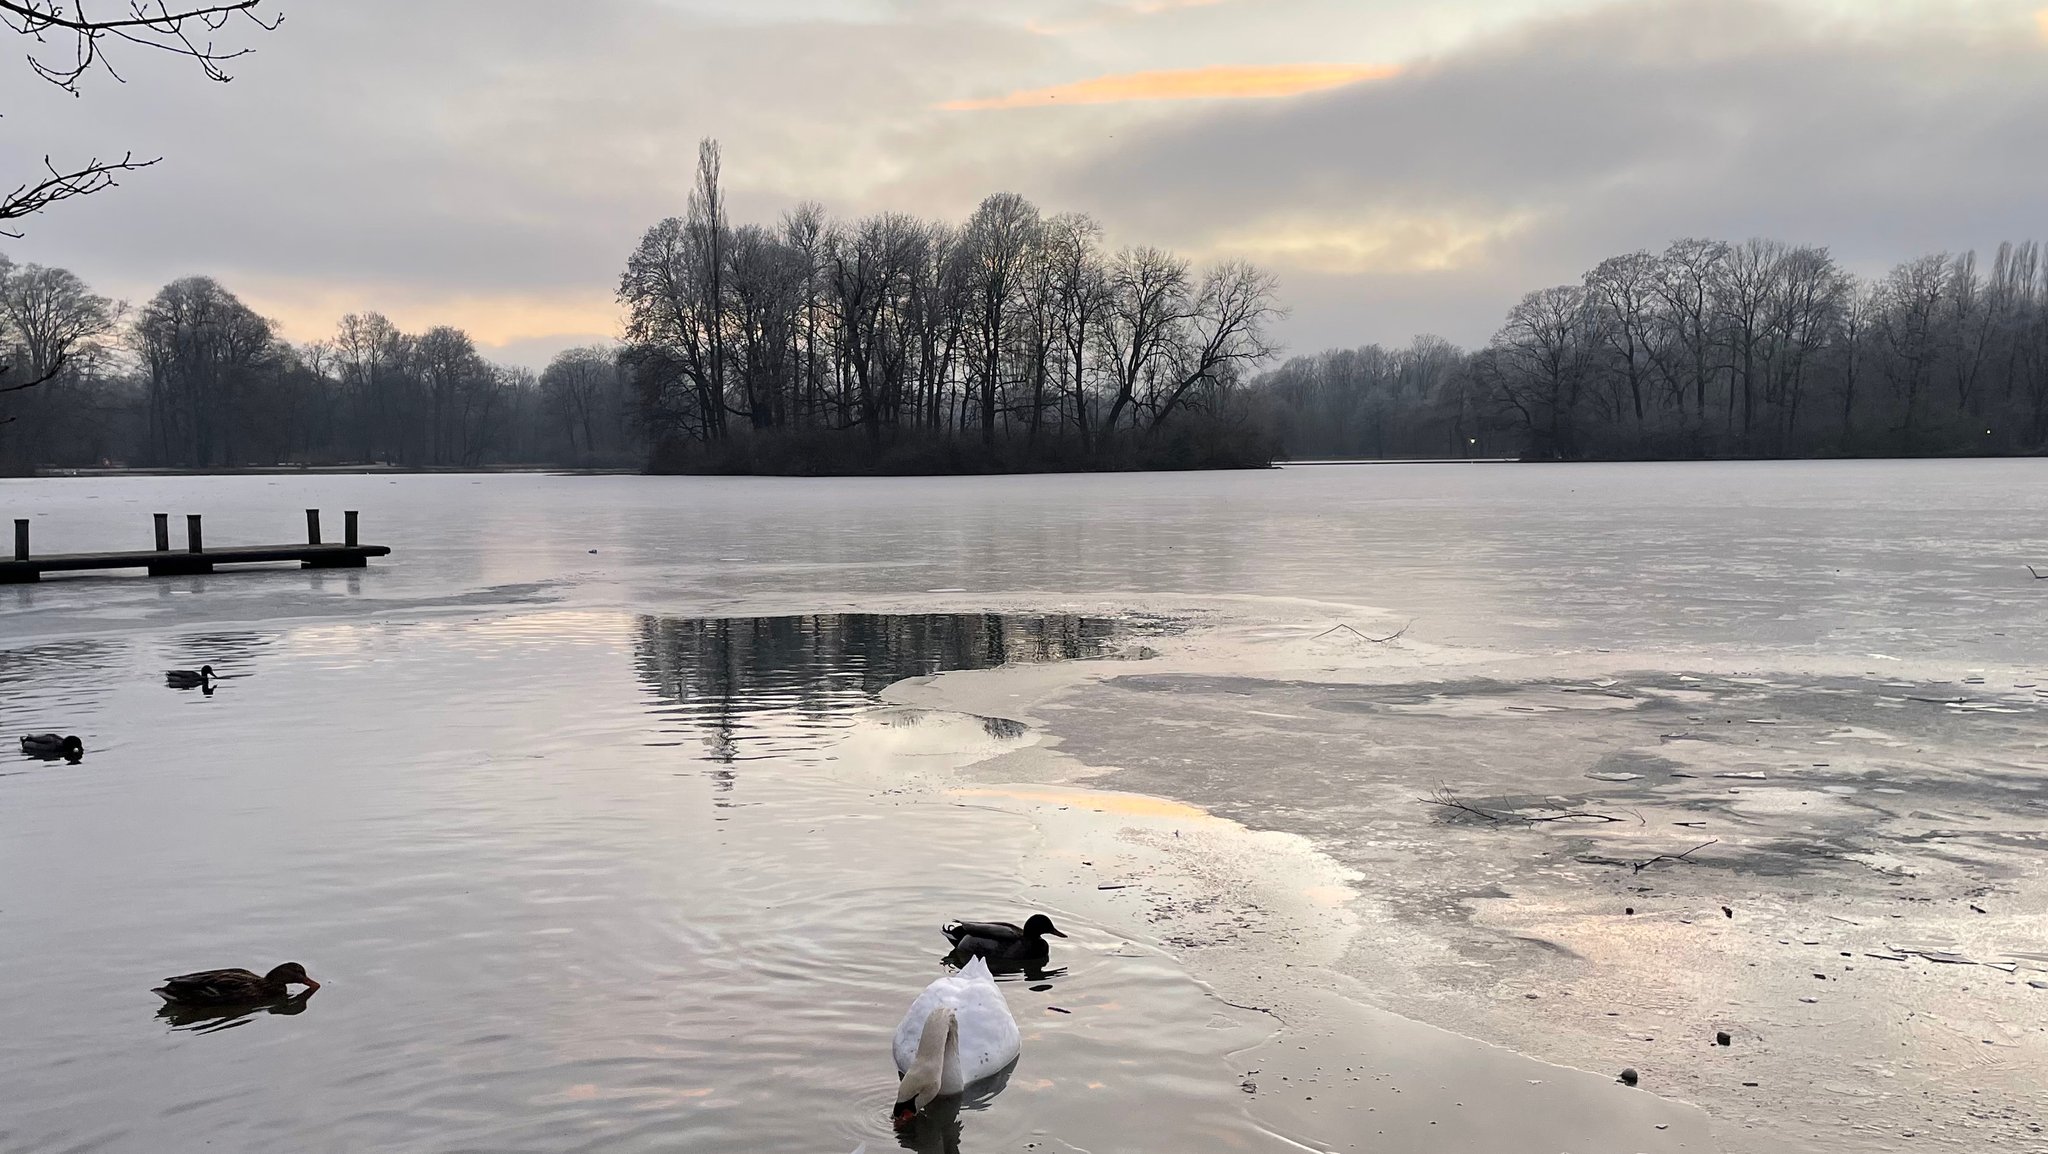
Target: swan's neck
pixel 938 1051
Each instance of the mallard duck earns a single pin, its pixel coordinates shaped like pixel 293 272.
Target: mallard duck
pixel 190 679
pixel 52 745
pixel 233 987
pixel 1002 941
pixel 958 1032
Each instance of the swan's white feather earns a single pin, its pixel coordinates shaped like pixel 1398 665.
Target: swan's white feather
pixel 988 1034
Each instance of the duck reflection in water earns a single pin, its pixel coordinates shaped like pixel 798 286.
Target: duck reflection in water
pixel 1029 969
pixel 210 1019
pixel 936 1128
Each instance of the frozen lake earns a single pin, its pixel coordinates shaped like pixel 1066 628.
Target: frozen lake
pixel 585 805
pixel 1806 556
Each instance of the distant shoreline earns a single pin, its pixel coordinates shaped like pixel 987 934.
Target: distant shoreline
pixel 54 473
pixel 323 470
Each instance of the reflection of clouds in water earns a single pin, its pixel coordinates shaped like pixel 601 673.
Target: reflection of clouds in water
pixel 1099 801
pixel 52 686
pixel 221 650
pixel 62 660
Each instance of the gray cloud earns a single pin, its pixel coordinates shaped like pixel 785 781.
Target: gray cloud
pixel 492 162
pixel 460 151
pixel 1616 129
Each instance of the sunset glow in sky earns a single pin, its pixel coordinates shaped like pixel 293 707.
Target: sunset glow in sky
pixel 1404 166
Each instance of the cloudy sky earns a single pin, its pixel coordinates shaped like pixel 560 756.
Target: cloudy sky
pixel 1404 166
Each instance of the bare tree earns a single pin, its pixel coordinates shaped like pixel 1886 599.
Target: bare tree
pixel 1147 305
pixel 1624 289
pixel 1693 270
pixel 203 348
pixel 580 387
pixel 1000 239
pixel 1080 291
pixel 52 317
pixel 1908 316
pixel 1541 358
pixel 369 354
pixel 1225 335
pixel 708 235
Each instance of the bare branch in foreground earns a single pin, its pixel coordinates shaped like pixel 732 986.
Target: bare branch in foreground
pixel 51 375
pixel 152 24
pixel 97 174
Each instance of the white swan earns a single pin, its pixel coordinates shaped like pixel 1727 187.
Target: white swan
pixel 957 1032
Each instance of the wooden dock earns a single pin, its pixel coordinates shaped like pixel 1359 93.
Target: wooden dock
pixel 163 561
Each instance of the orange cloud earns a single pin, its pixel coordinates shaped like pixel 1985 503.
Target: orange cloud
pixel 1221 83
pixel 2041 18
pixel 310 311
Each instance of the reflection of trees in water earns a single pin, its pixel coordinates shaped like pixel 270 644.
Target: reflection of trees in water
pixel 1002 728
pixel 726 675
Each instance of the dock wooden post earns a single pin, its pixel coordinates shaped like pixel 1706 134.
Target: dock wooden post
pixel 20 539
pixel 163 532
pixel 312 526
pixel 349 528
pixel 192 544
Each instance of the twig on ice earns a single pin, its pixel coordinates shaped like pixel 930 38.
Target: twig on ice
pixel 1394 636
pixel 1448 799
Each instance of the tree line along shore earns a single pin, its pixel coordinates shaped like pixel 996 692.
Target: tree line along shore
pixel 1019 341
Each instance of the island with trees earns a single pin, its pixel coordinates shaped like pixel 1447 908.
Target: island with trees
pixel 1017 342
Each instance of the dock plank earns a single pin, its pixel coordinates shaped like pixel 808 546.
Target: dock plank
pixel 172 561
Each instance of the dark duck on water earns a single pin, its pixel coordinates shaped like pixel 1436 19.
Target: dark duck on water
pixel 201 678
pixel 51 745
pixel 1003 941
pixel 233 987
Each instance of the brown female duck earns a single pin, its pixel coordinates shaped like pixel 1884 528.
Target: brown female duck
pixel 233 987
